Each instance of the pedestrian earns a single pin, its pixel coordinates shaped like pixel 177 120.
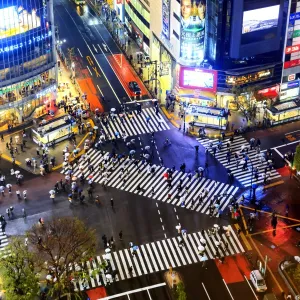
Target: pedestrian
pixel 23 212
pixel 121 235
pixel 152 191
pixel 130 271
pixel 112 203
pixel 104 239
pixel 180 241
pixel 197 148
pixel 8 212
pixel 18 194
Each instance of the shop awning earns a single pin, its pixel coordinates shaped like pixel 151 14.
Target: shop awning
pixel 191 93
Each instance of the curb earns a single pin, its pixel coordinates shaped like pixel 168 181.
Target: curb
pixel 8 158
pixel 93 138
pixel 286 281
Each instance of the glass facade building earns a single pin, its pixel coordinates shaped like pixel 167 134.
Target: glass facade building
pixel 27 59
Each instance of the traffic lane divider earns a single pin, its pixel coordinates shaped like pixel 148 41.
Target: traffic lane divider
pixel 244 239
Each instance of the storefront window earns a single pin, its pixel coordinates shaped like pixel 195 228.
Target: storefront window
pixel 26 88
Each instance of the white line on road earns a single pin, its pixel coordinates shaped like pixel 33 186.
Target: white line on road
pixel 298 141
pixel 135 291
pixel 93 56
pixel 79 52
pixel 95 48
pixel 158 212
pixel 89 70
pixel 160 219
pixel 205 291
pixel 279 153
pixel 99 90
pixel 165 236
pixel 281 146
pixel 292 132
pixel 135 101
pixel 251 287
pixel 228 289
pixel 149 295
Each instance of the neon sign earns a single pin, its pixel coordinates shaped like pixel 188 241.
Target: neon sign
pixel 26 43
pixel 46 91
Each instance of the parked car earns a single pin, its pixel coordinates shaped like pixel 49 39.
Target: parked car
pixel 134 87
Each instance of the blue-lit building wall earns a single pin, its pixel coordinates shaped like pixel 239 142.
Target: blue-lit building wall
pixel 27 57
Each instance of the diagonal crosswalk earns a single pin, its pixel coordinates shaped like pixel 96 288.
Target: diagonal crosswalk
pixel 160 256
pixel 128 176
pixel 135 125
pixel 243 176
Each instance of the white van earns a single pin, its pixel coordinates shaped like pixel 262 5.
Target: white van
pixel 258 281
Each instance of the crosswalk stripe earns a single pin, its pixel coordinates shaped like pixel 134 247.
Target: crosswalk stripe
pixel 159 256
pixel 139 176
pixel 243 176
pixel 136 125
pixel 4 252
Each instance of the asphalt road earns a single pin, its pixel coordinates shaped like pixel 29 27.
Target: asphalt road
pixel 200 283
pixel 282 139
pixel 83 31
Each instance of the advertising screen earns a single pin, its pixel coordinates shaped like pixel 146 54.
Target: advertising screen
pixel 289 94
pixel 192 32
pixel 15 20
pixel 166 18
pixel 202 79
pixel 260 19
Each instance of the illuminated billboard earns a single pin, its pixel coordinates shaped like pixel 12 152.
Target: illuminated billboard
pixel 200 79
pixel 166 18
pixel 260 19
pixel 15 20
pixel 192 32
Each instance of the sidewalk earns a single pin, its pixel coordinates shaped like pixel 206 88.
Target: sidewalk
pixel 30 151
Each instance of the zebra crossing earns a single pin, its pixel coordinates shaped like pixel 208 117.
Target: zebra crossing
pixel 140 176
pixel 135 125
pixel 3 243
pixel 243 176
pixel 159 256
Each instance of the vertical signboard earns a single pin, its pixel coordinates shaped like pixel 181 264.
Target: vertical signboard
pixel 192 32
pixel 166 18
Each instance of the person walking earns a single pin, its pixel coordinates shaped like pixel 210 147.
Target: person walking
pixel 104 239
pixel 121 235
pixel 112 203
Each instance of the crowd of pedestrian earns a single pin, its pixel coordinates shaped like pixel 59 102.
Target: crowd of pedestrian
pixel 242 158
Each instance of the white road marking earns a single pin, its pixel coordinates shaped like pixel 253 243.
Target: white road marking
pixel 89 70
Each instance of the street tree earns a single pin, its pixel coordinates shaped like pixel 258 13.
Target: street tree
pixel 296 273
pixel 61 246
pixel 19 276
pixel 244 100
pixel 180 292
pixel 296 163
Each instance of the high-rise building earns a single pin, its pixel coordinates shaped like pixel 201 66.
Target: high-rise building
pixel 27 60
pixel 205 49
pixel 287 107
